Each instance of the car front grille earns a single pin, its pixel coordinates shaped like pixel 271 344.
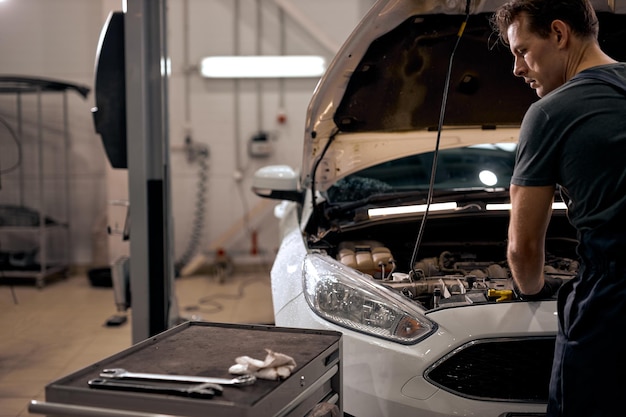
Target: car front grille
pixel 503 369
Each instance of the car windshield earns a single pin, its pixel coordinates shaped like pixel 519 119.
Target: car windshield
pixel 476 167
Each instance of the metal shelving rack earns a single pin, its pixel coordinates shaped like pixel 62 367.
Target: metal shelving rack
pixel 34 223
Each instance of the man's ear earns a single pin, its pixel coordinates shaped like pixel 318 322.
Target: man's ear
pixel 560 32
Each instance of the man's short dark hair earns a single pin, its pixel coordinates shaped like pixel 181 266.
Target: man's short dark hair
pixel 578 14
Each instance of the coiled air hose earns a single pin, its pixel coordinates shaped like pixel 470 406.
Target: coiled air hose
pixel 198 221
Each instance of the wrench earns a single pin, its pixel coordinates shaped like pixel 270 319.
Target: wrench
pixel 207 390
pixel 119 373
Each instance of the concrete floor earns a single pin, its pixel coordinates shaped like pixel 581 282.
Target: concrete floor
pixel 51 332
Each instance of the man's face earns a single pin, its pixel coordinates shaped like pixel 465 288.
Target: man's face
pixel 537 59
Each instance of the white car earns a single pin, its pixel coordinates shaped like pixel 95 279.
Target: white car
pixel 431 321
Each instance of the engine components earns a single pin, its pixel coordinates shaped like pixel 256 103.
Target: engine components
pixel 451 278
pixel 369 257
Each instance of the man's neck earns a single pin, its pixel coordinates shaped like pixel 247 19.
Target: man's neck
pixel 590 56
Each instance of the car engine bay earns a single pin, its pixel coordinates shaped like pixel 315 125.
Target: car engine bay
pixel 461 261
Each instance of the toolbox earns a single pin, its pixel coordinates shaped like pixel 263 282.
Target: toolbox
pixel 209 349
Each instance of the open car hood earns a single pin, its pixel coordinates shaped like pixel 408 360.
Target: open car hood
pixel 381 96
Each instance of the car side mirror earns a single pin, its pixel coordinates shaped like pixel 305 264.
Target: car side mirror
pixel 278 182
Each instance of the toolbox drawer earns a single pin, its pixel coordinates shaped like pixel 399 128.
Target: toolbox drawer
pixel 209 349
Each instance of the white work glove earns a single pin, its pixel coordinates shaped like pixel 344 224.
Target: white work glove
pixel 275 366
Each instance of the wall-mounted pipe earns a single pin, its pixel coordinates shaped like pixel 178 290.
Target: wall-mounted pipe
pixel 259 52
pixel 239 166
pixel 187 68
pixel 283 51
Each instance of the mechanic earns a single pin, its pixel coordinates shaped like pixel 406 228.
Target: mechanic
pixel 572 139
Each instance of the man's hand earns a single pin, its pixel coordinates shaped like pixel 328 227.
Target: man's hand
pixel 550 287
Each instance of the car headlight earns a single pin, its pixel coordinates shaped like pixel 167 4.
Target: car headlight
pixel 354 300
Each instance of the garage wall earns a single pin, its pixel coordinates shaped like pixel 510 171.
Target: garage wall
pixel 226 114
pixel 58 39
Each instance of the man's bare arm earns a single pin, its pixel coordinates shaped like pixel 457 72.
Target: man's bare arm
pixel 530 215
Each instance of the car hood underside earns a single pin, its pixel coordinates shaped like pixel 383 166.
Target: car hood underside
pixel 381 97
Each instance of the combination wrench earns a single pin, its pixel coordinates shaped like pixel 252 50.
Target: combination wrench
pixel 207 390
pixel 120 373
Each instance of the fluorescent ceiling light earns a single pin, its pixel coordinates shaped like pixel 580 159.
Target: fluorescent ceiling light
pixel 555 206
pixel 263 66
pixel 388 211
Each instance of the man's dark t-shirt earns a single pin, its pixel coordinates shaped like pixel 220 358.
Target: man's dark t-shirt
pixel 575 136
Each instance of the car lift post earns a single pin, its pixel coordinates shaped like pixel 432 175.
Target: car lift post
pixel 154 304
